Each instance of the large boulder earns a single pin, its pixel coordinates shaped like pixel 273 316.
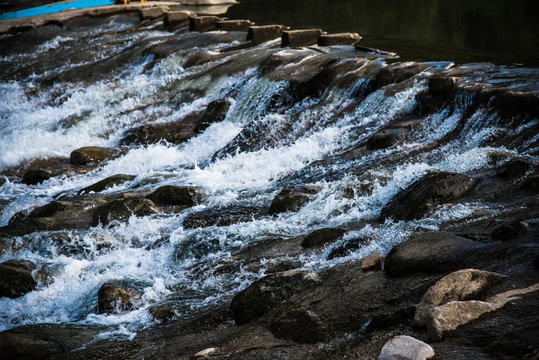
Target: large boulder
pixel 292 198
pixel 322 237
pixel 91 154
pixel 404 347
pixel 425 194
pixel 301 326
pixel 107 183
pixel 16 278
pixel 177 195
pixel 267 293
pixel 215 112
pixel 430 252
pixel 460 285
pixel 122 210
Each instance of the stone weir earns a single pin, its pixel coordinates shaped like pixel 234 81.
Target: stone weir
pixel 206 188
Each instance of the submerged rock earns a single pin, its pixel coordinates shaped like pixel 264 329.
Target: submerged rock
pixel 385 138
pixel 515 168
pixel 122 210
pixel 292 198
pixel 460 285
pixel 177 195
pixel 425 194
pixel 322 237
pixel 91 154
pixel 16 278
pixel 223 217
pixel 36 176
pixel 404 347
pixel 430 252
pixel 267 293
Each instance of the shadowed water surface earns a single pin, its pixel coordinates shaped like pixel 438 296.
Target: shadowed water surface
pixel 497 31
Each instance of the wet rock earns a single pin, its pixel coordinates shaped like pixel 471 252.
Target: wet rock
pixel 223 217
pixel 515 168
pixel 292 198
pixel 106 183
pixel 536 261
pixel 385 138
pixel 202 23
pixel 177 195
pixel 177 18
pixel 27 347
pixel 91 154
pixel 162 312
pixel 50 209
pixel 425 194
pixel 122 210
pixel 261 34
pixel 322 237
pixel 175 132
pixel 301 326
pixel 215 112
pixel 201 57
pixel 430 252
pixel 151 13
pixel 114 297
pixel 511 231
pixel 338 39
pixel 442 85
pixel 404 347
pixel 267 293
pixel 190 42
pixel 372 262
pixel 398 72
pixel 531 183
pixel 16 278
pixel 346 248
pixel 233 25
pixel 36 176
pixel 460 285
pixel 298 38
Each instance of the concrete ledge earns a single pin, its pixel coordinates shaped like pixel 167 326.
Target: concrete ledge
pixel 338 39
pixel 151 13
pixel 177 18
pixel 233 25
pixel 260 34
pixel 300 37
pixel 202 23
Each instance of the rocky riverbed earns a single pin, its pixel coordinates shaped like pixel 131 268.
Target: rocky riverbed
pixel 193 187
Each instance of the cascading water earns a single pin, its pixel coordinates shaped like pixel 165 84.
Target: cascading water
pixel 87 86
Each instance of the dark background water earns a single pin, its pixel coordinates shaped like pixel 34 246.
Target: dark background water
pixel 499 31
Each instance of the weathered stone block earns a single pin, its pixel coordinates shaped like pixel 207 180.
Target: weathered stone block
pixel 298 38
pixel 338 39
pixel 260 34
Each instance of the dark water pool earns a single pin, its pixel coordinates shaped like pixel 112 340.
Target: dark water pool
pixel 499 31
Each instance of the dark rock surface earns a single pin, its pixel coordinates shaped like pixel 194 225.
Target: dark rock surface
pixel 431 252
pixel 115 297
pixel 425 194
pixel 177 195
pixel 215 112
pixel 122 210
pixel 16 278
pixel 91 154
pixel 107 183
pixel 36 176
pixel 322 237
pixel 297 38
pixel 292 198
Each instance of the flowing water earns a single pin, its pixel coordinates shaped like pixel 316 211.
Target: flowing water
pixel 87 85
